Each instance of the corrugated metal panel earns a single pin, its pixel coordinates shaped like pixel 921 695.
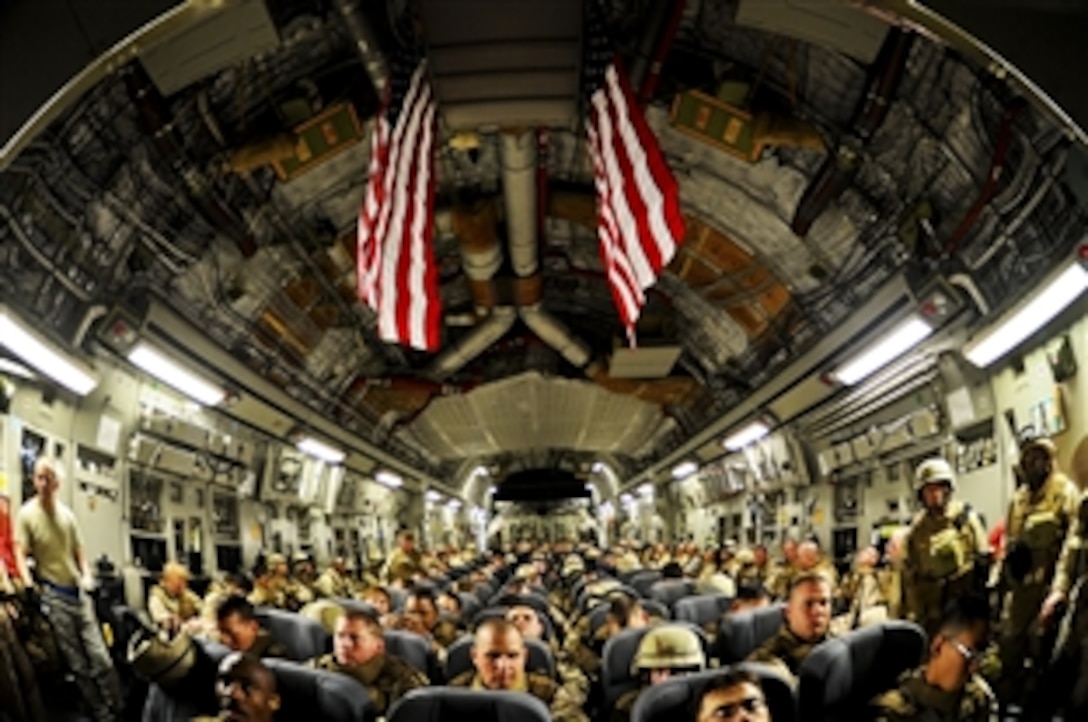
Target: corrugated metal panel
pixel 532 412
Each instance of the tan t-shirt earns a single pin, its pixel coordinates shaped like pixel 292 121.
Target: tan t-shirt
pixel 52 539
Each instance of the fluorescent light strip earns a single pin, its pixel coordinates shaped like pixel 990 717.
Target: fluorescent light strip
pixel 14 368
pixel 646 489
pixel 39 354
pixel 749 434
pixel 175 375
pixel 684 470
pixel 453 504
pixel 999 339
pixel 388 478
pixel 320 450
pixel 894 344
pixel 432 496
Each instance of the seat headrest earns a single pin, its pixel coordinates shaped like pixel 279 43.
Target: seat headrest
pixel 459 657
pixel 303 638
pixel 409 646
pixel 702 609
pixel 319 694
pixel 740 634
pixel 439 704
pixel 676 698
pixel 845 673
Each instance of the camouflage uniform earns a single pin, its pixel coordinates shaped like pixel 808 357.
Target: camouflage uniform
pixel 563 706
pixel 941 551
pixel 162 607
pixel 297 594
pixel 785 650
pixel 1069 675
pixel 916 701
pixel 404 566
pixel 265 645
pixel 271 594
pixel 1037 524
pixel 332 585
pixel 387 678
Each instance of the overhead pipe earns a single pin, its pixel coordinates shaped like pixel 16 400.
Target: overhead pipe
pixel 481 252
pixel 840 167
pixel 472 344
pixel 519 195
pixel 46 263
pixel 156 121
pixel 993 175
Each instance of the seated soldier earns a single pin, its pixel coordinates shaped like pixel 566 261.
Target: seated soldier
pixel 751 594
pixel 666 651
pixel 499 656
pixel 270 584
pixel 358 650
pixel 334 582
pixel 734 696
pixel 948 687
pixel 584 648
pixel 232 585
pixel 865 595
pixel 379 598
pixel 449 606
pixel 171 604
pixel 239 630
pixel 528 622
pixel 246 690
pixel 299 588
pixel 421 616
pixel 807 623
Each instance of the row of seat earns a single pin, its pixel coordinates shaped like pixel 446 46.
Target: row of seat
pixel 836 681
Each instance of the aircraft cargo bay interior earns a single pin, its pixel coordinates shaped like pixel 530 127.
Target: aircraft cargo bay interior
pixel 570 360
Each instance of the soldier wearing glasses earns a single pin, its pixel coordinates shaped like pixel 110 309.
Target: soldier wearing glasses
pixel 948 687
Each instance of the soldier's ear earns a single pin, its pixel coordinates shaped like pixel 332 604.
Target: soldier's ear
pixel 274 702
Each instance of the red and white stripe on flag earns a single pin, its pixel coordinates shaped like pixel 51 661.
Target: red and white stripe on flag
pixel 396 273
pixel 639 224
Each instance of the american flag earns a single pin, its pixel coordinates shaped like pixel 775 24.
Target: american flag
pixel 639 224
pixel 395 258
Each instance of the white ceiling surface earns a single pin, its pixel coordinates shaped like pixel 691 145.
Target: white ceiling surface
pixel 527 412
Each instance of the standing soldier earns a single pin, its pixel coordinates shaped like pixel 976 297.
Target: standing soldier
pixel 46 530
pixel 405 562
pixel 945 542
pixel 1041 513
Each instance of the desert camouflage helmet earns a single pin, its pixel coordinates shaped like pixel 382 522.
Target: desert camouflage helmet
pixel 669 646
pixel 934 471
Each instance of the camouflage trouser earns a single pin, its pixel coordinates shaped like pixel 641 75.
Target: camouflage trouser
pixel 931 597
pixel 80 640
pixel 1020 641
pixel 18 686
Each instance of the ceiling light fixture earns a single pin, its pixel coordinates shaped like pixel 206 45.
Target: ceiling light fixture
pixel 14 368
pixel 175 375
pixel 901 338
pixel 627 498
pixel 750 434
pixel 42 355
pixel 646 489
pixel 1019 324
pixel 453 504
pixel 432 495
pixel 389 478
pixel 320 450
pixel 684 469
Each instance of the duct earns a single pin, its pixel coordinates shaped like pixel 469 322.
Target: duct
pixel 839 169
pixel 519 186
pixel 366 42
pixel 481 252
pixel 91 315
pixel 473 343
pixel 46 263
pixel 553 332
pixel 157 123
pixel 1050 175
pixel 962 280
